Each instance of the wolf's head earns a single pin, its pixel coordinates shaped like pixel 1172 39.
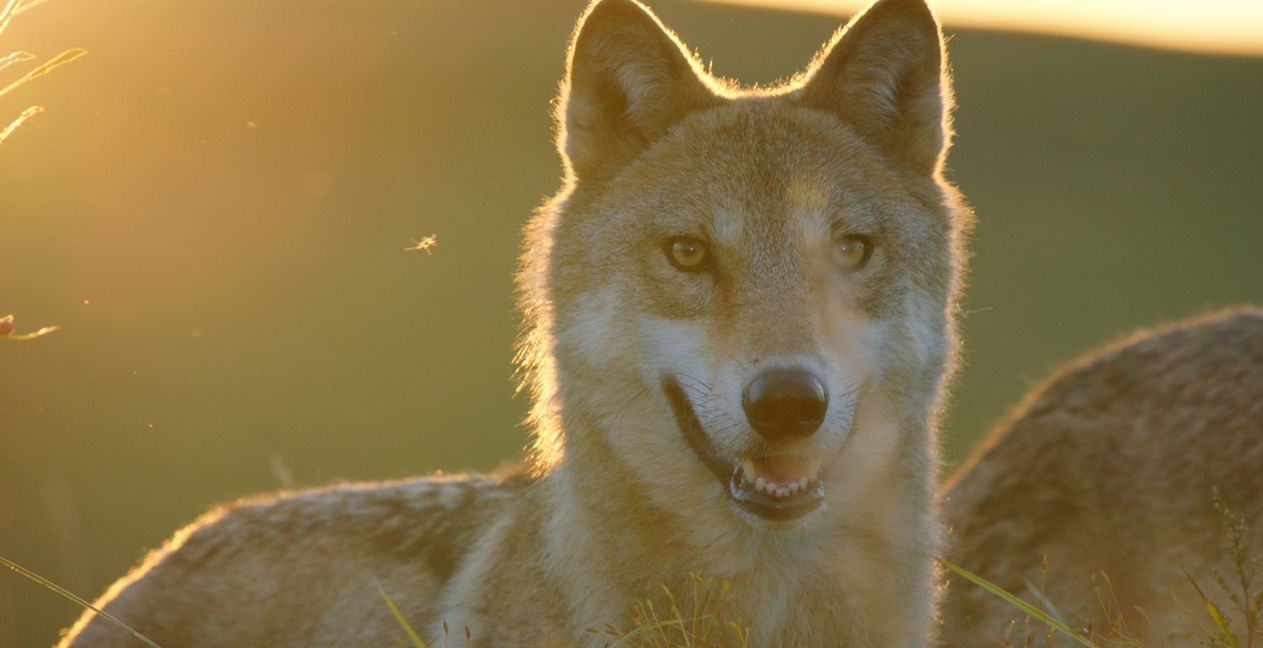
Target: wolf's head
pixel 741 299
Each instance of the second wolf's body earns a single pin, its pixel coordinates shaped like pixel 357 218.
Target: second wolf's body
pixel 1106 471
pixel 739 313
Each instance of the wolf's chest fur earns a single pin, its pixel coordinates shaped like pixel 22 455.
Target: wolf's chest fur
pixel 738 323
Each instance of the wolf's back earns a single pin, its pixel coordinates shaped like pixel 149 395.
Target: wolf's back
pixel 1109 467
pixel 303 569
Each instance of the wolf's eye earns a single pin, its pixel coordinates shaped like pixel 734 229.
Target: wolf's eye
pixel 851 252
pixel 687 253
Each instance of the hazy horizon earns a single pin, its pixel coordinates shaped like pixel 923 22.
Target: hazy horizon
pixel 1233 27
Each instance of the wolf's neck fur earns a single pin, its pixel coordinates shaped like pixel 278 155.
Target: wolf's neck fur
pixel 607 545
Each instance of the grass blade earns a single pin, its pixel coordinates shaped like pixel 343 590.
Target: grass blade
pixel 7 13
pixel 13 125
pixel 1214 612
pixel 1017 602
pixel 646 628
pixel 1044 602
pixel 29 4
pixel 70 595
pixel 403 623
pixel 14 57
pixel 13 8
pixel 59 60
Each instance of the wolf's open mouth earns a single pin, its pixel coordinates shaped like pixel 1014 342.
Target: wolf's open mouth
pixel 774 487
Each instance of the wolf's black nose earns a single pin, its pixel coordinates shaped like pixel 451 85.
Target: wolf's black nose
pixel 785 404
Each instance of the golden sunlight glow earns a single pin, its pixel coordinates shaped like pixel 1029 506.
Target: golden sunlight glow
pixel 1213 26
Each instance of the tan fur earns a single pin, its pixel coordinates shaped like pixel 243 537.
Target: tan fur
pixel 617 503
pixel 1108 467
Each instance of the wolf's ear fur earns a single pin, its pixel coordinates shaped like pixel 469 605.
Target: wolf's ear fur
pixel 628 80
pixel 884 74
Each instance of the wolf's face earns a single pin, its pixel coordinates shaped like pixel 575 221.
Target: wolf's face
pixel 749 289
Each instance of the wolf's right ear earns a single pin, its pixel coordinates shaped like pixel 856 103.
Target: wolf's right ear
pixel 628 80
pixel 885 76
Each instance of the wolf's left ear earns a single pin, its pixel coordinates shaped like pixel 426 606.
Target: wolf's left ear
pixel 884 75
pixel 628 80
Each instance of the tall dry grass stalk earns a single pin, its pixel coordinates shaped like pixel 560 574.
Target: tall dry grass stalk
pixel 10 10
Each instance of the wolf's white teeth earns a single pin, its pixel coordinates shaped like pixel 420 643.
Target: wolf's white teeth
pixel 761 484
pixel 774 489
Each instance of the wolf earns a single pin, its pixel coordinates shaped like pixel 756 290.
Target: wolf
pixel 1107 472
pixel 739 325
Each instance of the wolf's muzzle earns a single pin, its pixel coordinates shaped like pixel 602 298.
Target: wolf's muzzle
pixel 776 488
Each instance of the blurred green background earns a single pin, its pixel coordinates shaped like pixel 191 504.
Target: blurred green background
pixel 216 204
